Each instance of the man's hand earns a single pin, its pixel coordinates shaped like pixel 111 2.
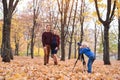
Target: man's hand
pixel 56 48
pixel 84 63
pixel 45 47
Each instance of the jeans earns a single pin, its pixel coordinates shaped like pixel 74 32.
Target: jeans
pixel 89 65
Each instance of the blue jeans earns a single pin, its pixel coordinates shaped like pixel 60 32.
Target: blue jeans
pixel 89 65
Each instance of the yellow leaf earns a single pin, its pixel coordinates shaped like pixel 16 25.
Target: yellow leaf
pixel 91 1
pixel 17 75
pixel 85 13
pixel 118 4
pixel 118 12
pixel 94 14
pixel 98 22
pixel 102 5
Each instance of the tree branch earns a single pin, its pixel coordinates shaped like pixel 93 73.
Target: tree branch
pixel 113 10
pixel 5 9
pixel 14 6
pixel 108 9
pixel 96 6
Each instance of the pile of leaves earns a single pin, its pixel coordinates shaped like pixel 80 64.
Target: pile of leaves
pixel 25 68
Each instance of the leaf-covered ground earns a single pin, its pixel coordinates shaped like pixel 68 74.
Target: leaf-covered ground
pixel 25 68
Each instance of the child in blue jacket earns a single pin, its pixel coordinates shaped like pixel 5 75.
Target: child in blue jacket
pixel 86 50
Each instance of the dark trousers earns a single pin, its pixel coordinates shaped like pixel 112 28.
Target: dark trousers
pixel 46 54
pixel 54 52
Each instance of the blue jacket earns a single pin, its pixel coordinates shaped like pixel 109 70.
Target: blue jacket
pixel 87 52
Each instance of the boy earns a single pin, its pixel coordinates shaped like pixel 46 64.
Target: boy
pixel 86 50
pixel 55 46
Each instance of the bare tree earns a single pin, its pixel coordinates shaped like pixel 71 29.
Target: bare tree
pixel 106 24
pixel 118 35
pixel 82 19
pixel 8 9
pixel 72 32
pixel 63 9
pixel 35 16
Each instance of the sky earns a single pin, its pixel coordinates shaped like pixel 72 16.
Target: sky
pixel 22 5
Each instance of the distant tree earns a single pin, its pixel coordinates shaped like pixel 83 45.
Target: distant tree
pixel 8 9
pixel 63 6
pixel 73 26
pixel 106 24
pixel 118 7
pixel 36 12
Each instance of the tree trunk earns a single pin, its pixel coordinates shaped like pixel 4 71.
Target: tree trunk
pixel 75 49
pixel 8 9
pixel 106 57
pixel 63 9
pixel 28 49
pixel 32 43
pixel 71 36
pixel 32 31
pixel 119 38
pixel 62 43
pixel 95 39
pixel 70 46
pixel 6 48
pixel 17 49
pixel 16 45
pixel 109 17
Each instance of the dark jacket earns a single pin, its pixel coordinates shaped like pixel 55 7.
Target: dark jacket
pixel 46 38
pixel 55 41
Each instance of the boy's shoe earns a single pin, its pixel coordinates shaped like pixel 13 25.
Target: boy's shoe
pixel 44 63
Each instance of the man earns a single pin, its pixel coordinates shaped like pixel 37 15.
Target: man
pixel 46 41
pixel 84 49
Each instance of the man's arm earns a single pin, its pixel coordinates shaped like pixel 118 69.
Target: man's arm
pixel 43 39
pixel 82 56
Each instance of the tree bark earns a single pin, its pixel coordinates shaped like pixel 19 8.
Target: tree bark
pixel 81 23
pixel 6 48
pixel 8 8
pixel 28 45
pixel 32 43
pixel 106 57
pixel 106 23
pixel 63 9
pixel 119 38
pixel 75 48
pixel 71 36
pixel 17 49
pixel 95 39
pixel 62 43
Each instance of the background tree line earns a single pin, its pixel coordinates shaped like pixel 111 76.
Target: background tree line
pixel 76 21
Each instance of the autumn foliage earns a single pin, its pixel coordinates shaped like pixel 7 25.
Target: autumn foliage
pixel 25 68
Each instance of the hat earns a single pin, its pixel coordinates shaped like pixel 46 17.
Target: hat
pixel 79 44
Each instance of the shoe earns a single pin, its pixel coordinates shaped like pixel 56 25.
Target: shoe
pixel 55 63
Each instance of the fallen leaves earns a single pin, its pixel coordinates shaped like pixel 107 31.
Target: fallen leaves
pixel 25 68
